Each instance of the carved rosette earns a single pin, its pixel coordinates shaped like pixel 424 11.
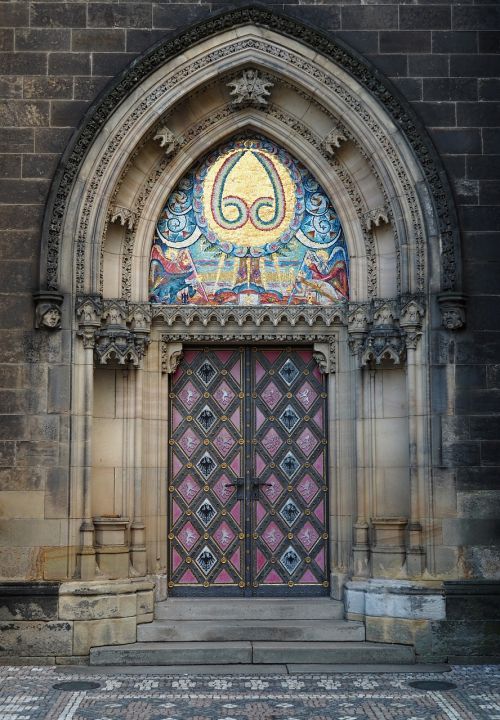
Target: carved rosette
pixel 48 309
pixel 452 307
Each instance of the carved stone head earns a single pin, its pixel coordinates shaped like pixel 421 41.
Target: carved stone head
pixel 48 314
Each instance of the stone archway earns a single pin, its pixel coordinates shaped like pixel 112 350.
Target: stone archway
pixel 367 150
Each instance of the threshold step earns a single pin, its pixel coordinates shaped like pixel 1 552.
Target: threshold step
pixel 173 653
pixel 264 653
pixel 332 653
pixel 251 630
pixel 249 609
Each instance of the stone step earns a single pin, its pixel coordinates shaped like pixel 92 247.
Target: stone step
pixel 231 630
pixel 214 653
pixel 249 608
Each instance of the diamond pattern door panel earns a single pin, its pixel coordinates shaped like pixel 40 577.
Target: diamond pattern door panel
pixel 207 521
pixel 248 504
pixel 289 512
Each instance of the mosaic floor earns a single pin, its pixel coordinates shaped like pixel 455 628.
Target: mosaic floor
pixel 28 694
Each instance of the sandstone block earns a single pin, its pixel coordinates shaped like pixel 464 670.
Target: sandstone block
pixel 29 639
pixel 75 607
pixel 95 633
pixel 145 602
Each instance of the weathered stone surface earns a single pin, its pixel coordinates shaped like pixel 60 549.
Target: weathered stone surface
pixel 28 601
pixel 31 638
pixel 145 602
pixel 95 607
pixel 96 633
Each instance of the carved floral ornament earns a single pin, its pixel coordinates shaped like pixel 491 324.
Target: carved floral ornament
pixel 402 115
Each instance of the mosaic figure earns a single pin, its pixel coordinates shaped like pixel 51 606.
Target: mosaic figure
pixel 249 226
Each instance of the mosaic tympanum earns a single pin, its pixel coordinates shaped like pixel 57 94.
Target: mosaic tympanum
pixel 249 225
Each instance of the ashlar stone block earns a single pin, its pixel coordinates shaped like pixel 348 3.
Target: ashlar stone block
pixel 95 633
pixel 27 638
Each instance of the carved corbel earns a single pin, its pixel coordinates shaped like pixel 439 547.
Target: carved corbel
pixel 115 341
pixel 325 356
pixel 88 313
pixel 334 139
pixel 410 321
pixel 250 88
pixel 376 217
pixel 48 313
pixel 452 307
pixel 122 215
pixel 358 328
pixel 171 355
pixel 167 140
pixel 381 347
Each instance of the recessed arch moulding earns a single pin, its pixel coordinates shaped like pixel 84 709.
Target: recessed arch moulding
pixel 252 73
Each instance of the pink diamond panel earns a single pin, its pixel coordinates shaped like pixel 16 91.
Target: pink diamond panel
pixel 224 395
pixel 308 536
pixel 189 442
pixel 272 536
pixel 272 442
pixel 223 489
pixel 271 395
pixel 306 442
pixel 223 441
pixel 188 536
pixel 272 489
pixel 189 395
pixel 224 536
pixel 306 395
pixel 308 488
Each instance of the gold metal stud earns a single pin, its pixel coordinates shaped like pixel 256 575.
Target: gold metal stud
pixel 290 488
pixel 307 418
pixel 189 465
pixel 241 441
pixel 205 536
pixel 324 488
pixel 171 395
pixel 171 442
pixel 206 441
pixel 206 488
pixel 241 584
pixel 324 441
pixel 223 372
pixel 306 372
pixel 206 394
pixel 171 583
pixel 188 560
pixel 324 395
pixel 223 560
pixel 206 584
pixel 241 536
pixel 189 418
pixel 289 395
pixel 171 488
pixel 255 536
pixel 289 442
pixel 241 395
pixel 325 536
pixel 291 583
pixel 272 418
pixel 273 560
pixel 223 512
pixel 307 512
pixel 224 418
pixel 308 560
pixel 189 372
pixel 325 583
pixel 271 372
pixel 189 512
pixel 223 465
pixel 170 536
pixel 290 536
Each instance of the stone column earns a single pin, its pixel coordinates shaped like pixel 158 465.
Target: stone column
pixel 411 322
pixel 137 528
pixel 358 327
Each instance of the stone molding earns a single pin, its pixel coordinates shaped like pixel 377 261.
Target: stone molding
pixel 401 112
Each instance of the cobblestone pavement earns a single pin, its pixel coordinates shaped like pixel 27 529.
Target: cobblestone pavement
pixel 27 693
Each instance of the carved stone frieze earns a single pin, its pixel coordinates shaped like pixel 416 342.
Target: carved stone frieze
pixel 250 88
pixel 167 140
pixel 48 313
pixel 122 215
pixel 308 315
pixel 376 218
pixel 452 307
pixel 334 139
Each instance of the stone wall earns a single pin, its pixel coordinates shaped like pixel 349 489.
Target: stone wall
pixel 57 623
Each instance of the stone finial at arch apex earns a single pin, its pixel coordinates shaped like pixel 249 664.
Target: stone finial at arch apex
pixel 329 50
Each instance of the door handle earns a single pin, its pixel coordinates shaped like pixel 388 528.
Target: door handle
pixel 239 484
pixel 257 483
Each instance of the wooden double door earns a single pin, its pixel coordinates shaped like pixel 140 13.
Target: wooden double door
pixel 248 487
